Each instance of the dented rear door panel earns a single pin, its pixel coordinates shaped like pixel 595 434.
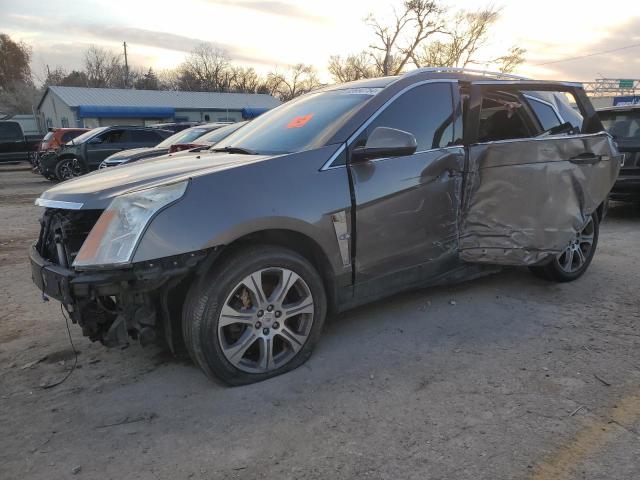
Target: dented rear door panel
pixel 524 200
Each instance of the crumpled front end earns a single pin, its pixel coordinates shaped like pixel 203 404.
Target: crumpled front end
pixel 111 305
pixel 524 201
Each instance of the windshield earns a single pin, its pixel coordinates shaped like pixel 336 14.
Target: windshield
pixel 184 136
pixel 301 124
pixel 86 136
pixel 219 134
pixel 623 125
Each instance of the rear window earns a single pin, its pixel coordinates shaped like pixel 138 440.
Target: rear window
pixel 47 137
pixel 10 131
pixel 622 125
pixel 300 124
pixel 70 135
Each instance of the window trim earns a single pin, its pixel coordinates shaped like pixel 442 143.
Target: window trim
pixel 329 163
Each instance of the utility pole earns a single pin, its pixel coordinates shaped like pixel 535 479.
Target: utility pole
pixel 126 66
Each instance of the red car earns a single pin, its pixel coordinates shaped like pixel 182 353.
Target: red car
pixel 56 137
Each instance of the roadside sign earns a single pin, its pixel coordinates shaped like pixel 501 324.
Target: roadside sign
pixel 626 83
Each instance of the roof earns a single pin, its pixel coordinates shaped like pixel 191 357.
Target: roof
pixel 620 108
pixel 105 97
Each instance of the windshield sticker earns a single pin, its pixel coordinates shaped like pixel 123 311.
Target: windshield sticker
pixel 300 121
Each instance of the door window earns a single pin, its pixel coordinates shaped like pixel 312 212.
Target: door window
pixel 113 136
pixel 425 111
pixel 545 113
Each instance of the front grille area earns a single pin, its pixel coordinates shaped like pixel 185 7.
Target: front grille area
pixel 62 233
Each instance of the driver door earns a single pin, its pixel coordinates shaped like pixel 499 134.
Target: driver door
pixel 406 208
pixel 109 143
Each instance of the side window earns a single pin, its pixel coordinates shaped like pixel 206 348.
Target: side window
pixel 502 118
pixel 69 136
pixel 425 111
pixel 144 136
pixel 113 136
pixel 545 113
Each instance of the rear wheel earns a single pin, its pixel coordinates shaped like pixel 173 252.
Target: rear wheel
pixel 68 168
pixel 255 316
pixel 576 258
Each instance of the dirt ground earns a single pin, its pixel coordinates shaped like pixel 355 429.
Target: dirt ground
pixel 507 377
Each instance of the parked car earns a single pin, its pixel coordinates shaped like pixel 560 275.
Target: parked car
pixel 175 127
pixel 53 141
pixel 208 139
pixel 85 152
pixel 162 148
pixel 13 145
pixel 57 137
pixel 339 197
pixel 623 123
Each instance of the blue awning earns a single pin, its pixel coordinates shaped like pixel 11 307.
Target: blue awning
pixel 97 111
pixel 249 113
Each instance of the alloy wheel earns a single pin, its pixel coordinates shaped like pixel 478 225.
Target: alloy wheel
pixel 577 253
pixel 69 169
pixel 265 320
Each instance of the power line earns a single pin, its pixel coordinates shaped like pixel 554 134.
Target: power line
pixel 588 55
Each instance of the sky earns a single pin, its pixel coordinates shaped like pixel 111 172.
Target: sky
pixel 269 33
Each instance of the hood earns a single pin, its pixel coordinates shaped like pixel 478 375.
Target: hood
pixel 96 190
pixel 136 154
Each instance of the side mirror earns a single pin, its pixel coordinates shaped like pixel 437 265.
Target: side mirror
pixel 385 142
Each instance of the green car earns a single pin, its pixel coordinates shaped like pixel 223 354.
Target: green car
pixel 85 152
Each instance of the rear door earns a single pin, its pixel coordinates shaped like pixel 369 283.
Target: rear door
pixel 530 183
pixel 407 207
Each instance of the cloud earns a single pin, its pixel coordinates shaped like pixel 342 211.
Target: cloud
pixel 583 65
pixel 132 35
pixel 272 7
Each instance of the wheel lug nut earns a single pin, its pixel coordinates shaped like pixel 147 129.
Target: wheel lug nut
pixel 258 324
pixel 265 331
pixel 275 325
pixel 260 313
pixel 278 313
pixel 270 308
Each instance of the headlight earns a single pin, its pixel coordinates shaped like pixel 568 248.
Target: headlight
pixel 115 235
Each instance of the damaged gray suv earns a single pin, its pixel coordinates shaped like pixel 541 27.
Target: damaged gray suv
pixel 337 198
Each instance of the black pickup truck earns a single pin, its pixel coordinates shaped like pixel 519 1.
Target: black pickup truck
pixel 13 144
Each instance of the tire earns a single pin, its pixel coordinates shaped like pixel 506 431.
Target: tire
pixel 229 330
pixel 68 168
pixel 574 261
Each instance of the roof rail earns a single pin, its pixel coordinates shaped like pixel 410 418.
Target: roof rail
pixel 484 73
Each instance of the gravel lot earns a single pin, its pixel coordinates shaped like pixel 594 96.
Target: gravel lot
pixel 502 378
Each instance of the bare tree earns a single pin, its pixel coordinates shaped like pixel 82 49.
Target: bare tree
pixel 103 68
pixel 511 60
pixel 422 35
pixel 205 69
pixel 353 67
pixel 14 62
pixel 396 43
pixel 243 80
pixel 292 82
pixel 467 34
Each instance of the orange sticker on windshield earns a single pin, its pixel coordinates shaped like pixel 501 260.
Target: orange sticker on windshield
pixel 300 121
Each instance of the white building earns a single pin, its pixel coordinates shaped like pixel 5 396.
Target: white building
pixel 95 107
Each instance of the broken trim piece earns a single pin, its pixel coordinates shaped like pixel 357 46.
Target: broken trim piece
pixel 339 220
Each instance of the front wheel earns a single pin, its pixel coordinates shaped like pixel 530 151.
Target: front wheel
pixel 258 314
pixel 575 259
pixel 68 168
